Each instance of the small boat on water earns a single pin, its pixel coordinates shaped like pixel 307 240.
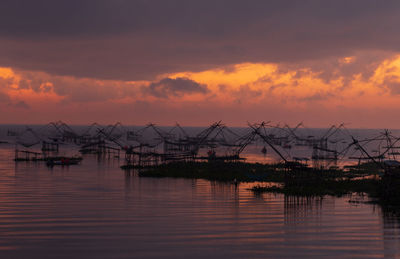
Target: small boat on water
pixel 63 161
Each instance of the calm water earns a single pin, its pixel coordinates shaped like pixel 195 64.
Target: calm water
pixel 95 210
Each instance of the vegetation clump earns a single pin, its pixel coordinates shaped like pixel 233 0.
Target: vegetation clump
pixel 336 188
pixel 217 170
pixel 296 180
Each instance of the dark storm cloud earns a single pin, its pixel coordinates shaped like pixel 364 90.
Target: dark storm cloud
pixel 134 40
pixel 175 87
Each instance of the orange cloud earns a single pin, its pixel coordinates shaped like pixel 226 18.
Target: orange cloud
pixel 241 92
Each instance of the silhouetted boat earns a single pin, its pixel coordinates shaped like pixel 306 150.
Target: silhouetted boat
pixel 63 161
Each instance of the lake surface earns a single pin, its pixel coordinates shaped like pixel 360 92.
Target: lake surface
pixel 95 210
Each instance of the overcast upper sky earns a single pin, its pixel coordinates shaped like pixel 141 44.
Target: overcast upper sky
pixel 135 40
pixel 167 54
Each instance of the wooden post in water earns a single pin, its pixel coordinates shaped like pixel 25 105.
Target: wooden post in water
pixel 140 156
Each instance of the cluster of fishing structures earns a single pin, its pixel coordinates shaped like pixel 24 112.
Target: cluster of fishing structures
pixel 152 145
pixel 298 152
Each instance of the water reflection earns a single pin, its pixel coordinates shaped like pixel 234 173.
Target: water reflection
pixel 296 209
pixel 95 210
pixel 391 233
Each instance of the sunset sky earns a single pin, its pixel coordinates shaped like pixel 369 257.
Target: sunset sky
pixel 195 62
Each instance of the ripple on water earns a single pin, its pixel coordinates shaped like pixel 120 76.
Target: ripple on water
pixel 92 211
